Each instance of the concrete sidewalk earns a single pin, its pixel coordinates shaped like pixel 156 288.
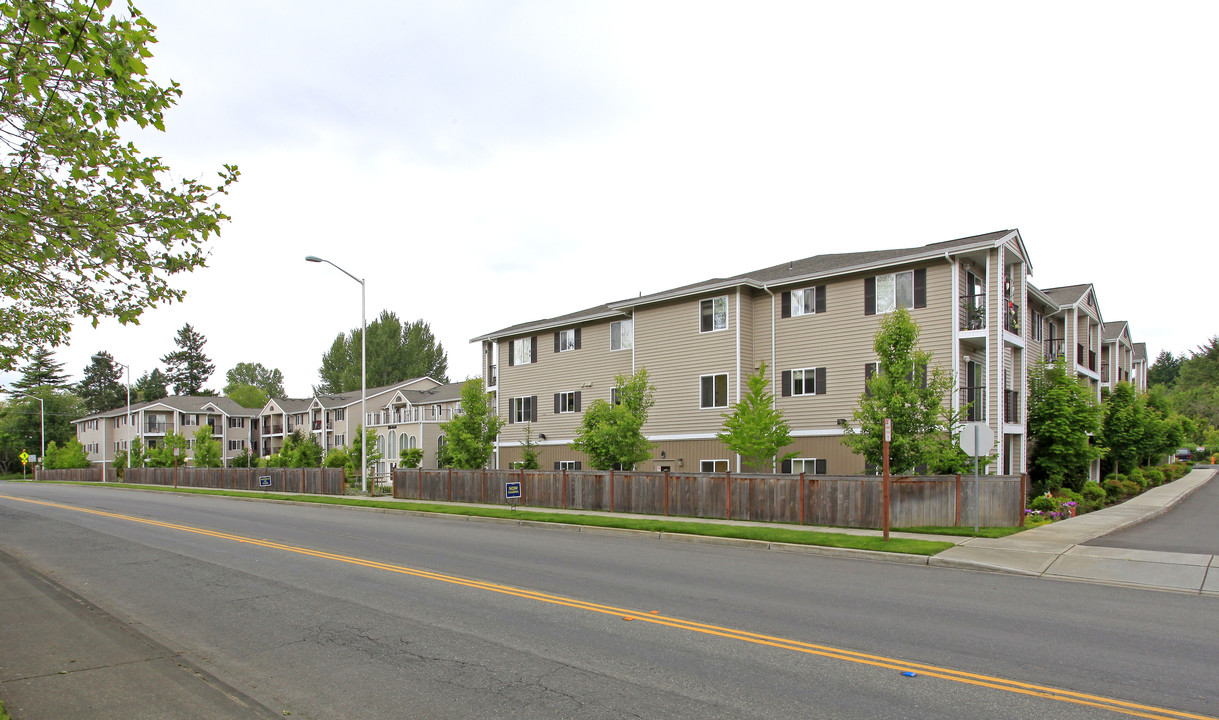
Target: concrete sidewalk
pixel 1057 550
pixel 60 657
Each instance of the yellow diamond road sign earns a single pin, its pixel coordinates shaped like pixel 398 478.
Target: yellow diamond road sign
pixel 24 457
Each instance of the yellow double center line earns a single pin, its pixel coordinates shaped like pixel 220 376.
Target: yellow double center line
pixel 880 661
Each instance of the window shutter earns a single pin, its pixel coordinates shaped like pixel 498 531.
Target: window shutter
pixel 556 342
pixel 579 465
pixel 869 296
pixel 577 338
pixel 787 466
pixel 533 347
pixel 820 300
pixel 556 403
pixel 787 304
pixel 511 345
pixel 533 404
pixel 820 466
pixel 556 464
pixel 920 288
pixel 787 383
pixel 820 381
pixel 511 410
pixel 577 400
pixel 868 370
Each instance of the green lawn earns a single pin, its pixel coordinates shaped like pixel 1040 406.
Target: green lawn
pixel 746 532
pixel 985 532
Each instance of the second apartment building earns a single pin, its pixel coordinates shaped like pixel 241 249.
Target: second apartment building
pixel 811 321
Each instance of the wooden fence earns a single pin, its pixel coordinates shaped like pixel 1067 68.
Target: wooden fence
pixel 829 500
pixel 321 481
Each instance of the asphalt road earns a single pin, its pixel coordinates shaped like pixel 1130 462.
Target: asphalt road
pixel 1190 527
pixel 333 613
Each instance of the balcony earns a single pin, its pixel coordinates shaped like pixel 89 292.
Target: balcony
pixel 492 377
pixel 156 428
pixel 1055 350
pixel 973 404
pixel 317 424
pixel 1092 360
pixel 1011 318
pixel 272 429
pixel 1011 407
pixel 973 312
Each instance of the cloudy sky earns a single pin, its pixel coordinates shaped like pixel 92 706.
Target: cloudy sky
pixel 487 163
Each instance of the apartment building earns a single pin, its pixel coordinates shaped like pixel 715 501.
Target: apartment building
pixel 811 321
pixel 106 433
pixel 1139 367
pixel 1116 354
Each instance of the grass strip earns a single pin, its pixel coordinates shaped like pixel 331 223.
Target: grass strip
pixel 711 529
pixel 983 532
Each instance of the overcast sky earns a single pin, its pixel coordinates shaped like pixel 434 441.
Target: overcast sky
pixel 488 163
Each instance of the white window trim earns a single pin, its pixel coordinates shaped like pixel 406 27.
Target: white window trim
pixel 727 392
pixel 808 296
pixel 522 351
pixel 713 461
pixel 806 375
pixel 567 340
pixel 568 465
pixel 628 323
pixel 567 399
pixel 713 301
pixel 806 462
pixel 892 277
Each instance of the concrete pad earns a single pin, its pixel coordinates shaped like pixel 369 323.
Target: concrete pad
pixel 1004 560
pixel 1168 558
pixel 1129 572
pixel 1020 543
pixel 1211 585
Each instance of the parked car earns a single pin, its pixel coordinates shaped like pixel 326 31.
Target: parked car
pixel 1185 454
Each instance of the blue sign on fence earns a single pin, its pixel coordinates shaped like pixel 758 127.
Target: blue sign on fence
pixel 264 481
pixel 512 490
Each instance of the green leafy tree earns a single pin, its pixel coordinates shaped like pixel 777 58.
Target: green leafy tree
pixel 1062 415
pixel 137 453
pixel 904 392
pixel 1122 426
pixel 1196 392
pixel 269 381
pixel 247 396
pixel 1165 369
pixel 187 367
pixel 151 386
pixel 471 434
pixel 21 419
pixel 110 224
pixel 410 457
pixel 612 435
pixel 754 428
pixel 102 387
pixel 42 371
pixel 244 459
pixel 163 454
pixel 71 456
pixel 529 451
pixel 353 451
pixel 301 449
pixel 337 457
pixel 395 352
pixel 207 448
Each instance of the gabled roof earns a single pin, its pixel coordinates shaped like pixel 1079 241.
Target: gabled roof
pixel 347 399
pixel 1140 352
pixel 1068 294
pixel 180 403
pixel 1039 295
pixel 808 269
pixel 443 393
pixel 1112 331
pixel 287 406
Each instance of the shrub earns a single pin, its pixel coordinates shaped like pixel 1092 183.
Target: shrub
pixel 1043 503
pixel 1113 489
pixel 1136 476
pixel 1154 476
pixel 1131 488
pixel 1094 496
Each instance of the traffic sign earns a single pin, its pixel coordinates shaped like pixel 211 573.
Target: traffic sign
pixel 25 457
pixel 977 439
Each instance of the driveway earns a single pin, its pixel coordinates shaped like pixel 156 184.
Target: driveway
pixel 1192 526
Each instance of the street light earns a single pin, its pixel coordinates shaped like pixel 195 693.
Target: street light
pixel 363 374
pixel 103 358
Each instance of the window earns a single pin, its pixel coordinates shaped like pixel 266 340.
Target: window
pixel 522 351
pixel 339 441
pixel 806 301
pixel 339 414
pixel 565 340
pixel 869 370
pixel 713 466
pixel 1037 324
pixel 885 293
pixel 411 442
pixel 567 402
pixel 236 444
pixel 393 444
pixel 806 381
pixel 614 399
pixel 622 335
pixel 523 409
pixel 567 465
pixel 808 466
pixel 189 419
pixel 714 391
pixel 713 314
pixel 236 422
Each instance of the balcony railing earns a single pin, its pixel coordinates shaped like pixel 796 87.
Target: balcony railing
pixel 156 427
pixel 1104 371
pixel 1011 406
pixel 1011 318
pixel 317 424
pixel 272 429
pixel 492 377
pixel 1092 360
pixel 973 312
pixel 1055 350
pixel 412 415
pixel 973 403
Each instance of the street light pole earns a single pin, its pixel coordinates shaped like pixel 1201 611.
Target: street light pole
pixel 363 374
pixel 42 412
pixel 127 368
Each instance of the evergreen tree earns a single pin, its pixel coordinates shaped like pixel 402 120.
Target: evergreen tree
pixel 754 428
pixel 151 386
pixel 1165 369
pixel 471 434
pixel 529 451
pixel 102 387
pixel 42 371
pixel 187 367
pixel 395 352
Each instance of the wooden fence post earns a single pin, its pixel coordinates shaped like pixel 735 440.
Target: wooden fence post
pixel 611 490
pixel 450 484
pixel 957 505
pixel 484 486
pixel 666 493
pixel 728 487
pixel 563 503
pixel 801 497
